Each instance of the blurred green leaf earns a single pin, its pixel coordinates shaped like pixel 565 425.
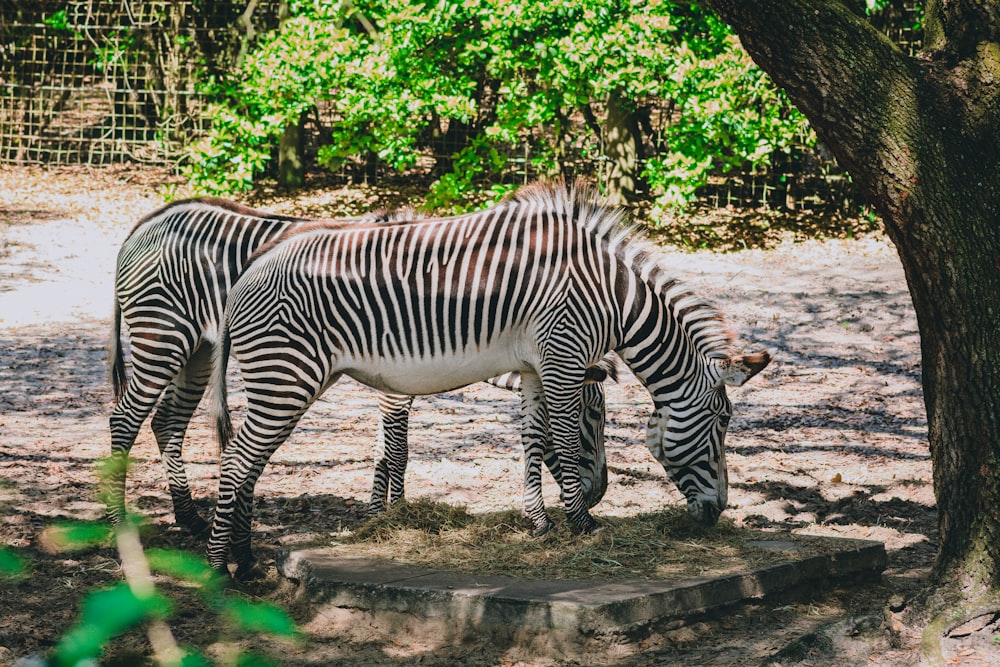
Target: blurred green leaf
pixel 104 615
pixel 183 565
pixel 12 565
pixel 193 658
pixel 78 535
pixel 251 659
pixel 259 617
pixel 117 608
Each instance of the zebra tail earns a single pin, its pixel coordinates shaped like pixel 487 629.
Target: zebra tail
pixel 116 355
pixel 219 397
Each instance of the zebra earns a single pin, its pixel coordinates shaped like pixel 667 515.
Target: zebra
pixel 545 283
pixel 174 271
pixel 392 455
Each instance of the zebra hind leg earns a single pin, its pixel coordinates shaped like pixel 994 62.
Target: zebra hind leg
pixel 150 376
pixel 271 416
pixel 391 451
pixel 169 424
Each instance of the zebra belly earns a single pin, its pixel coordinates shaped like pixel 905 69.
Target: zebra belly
pixel 433 375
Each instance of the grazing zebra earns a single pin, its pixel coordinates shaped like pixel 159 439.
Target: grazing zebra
pixel 174 272
pixel 392 455
pixel 546 284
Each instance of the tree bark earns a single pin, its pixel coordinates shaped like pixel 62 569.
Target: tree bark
pixel 623 148
pixel 291 155
pixel 921 137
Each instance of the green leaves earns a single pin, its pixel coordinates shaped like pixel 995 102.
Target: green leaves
pixel 12 565
pixel 104 615
pixel 258 617
pixel 466 83
pixel 58 21
pixel 186 567
pixel 78 535
pixel 107 613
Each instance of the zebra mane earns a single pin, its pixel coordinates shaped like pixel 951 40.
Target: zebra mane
pixel 579 204
pixel 402 214
pixel 699 318
pixel 703 322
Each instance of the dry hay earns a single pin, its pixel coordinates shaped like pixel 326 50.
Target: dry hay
pixel 662 545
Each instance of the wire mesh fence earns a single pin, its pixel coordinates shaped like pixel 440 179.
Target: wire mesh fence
pixel 108 81
pixel 96 82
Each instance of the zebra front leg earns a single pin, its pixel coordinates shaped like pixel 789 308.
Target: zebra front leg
pixel 534 424
pixel 170 423
pixel 391 451
pixel 564 405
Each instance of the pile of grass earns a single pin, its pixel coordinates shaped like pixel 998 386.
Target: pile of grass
pixel 662 545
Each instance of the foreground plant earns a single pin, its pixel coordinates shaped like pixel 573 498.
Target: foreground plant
pixel 137 602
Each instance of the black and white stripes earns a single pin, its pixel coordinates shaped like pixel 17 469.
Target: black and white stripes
pixel 545 284
pixel 174 273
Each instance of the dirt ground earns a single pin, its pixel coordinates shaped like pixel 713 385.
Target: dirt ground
pixel 829 440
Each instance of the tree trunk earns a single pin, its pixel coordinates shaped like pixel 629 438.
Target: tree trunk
pixel 291 155
pixel 921 136
pixel 623 148
pixel 292 145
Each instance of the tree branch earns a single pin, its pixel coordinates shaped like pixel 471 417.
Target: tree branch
pixel 859 90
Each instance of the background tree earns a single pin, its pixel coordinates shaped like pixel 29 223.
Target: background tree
pixel 921 136
pixel 462 86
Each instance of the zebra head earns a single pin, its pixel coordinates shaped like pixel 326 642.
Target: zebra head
pixel 593 458
pixel 687 436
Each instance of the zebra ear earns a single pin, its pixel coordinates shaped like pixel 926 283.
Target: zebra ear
pixel 594 375
pixel 602 370
pixel 737 370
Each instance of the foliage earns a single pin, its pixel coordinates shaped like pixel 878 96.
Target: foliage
pixel 730 117
pixel 107 613
pixel 12 565
pixel 58 20
pixel 103 615
pixel 136 602
pixel 290 70
pixel 465 81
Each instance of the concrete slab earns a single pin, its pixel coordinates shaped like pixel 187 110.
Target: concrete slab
pixel 467 603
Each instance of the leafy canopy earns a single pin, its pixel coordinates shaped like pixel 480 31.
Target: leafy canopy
pixel 466 84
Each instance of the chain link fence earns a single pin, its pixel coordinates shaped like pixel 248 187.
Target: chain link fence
pixel 98 82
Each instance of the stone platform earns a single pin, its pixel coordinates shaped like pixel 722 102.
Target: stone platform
pixel 389 598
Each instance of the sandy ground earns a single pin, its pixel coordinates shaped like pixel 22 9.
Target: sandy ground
pixel 830 439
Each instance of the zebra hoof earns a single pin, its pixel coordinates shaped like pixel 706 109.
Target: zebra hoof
pixel 588 525
pixel 542 528
pixel 251 571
